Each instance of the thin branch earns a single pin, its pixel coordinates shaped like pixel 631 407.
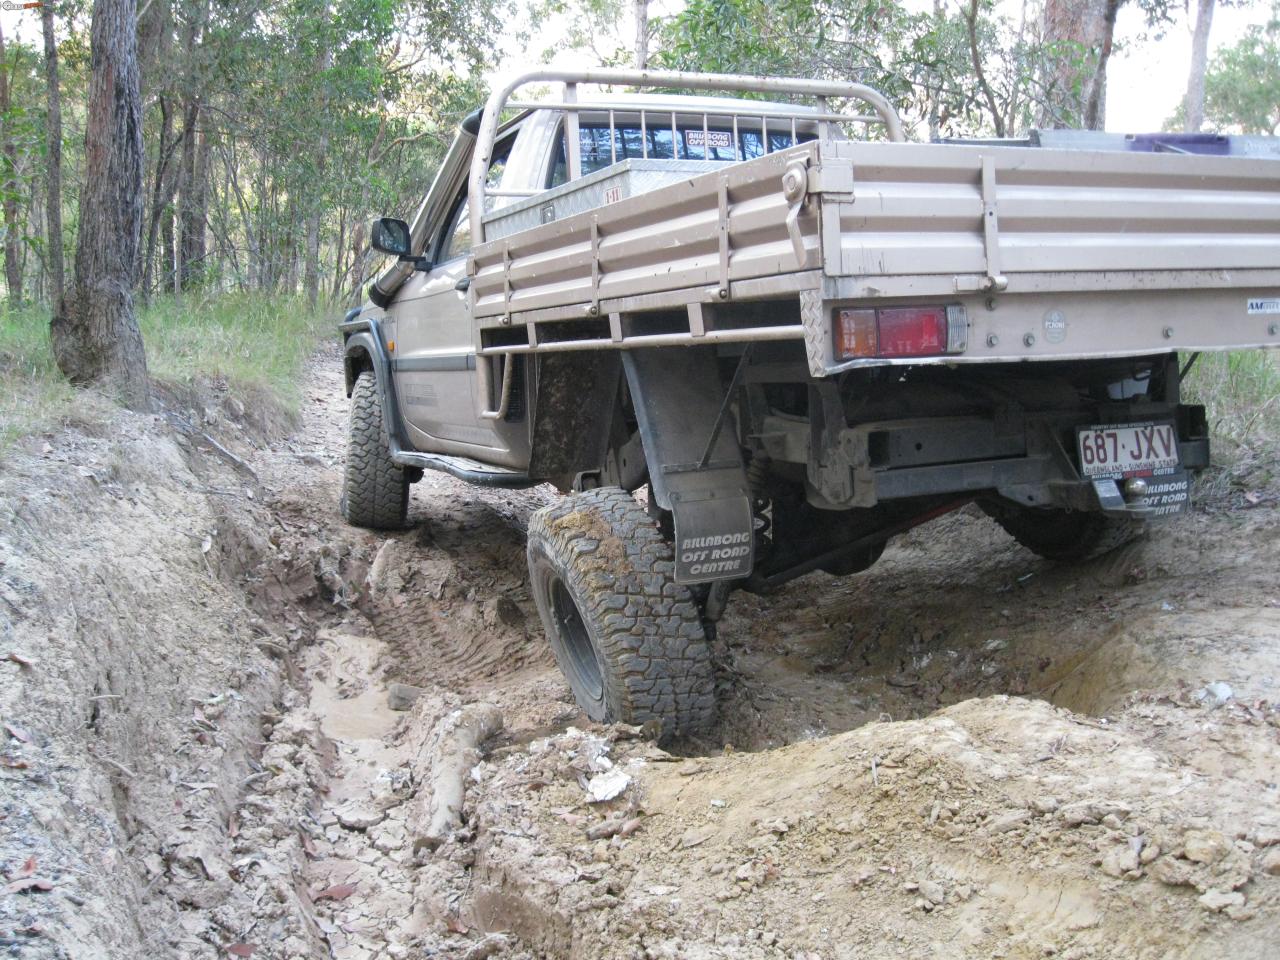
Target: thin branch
pixel 971 20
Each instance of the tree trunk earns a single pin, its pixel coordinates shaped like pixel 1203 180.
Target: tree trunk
pixel 161 194
pixel 1080 31
pixel 165 269
pixel 1095 111
pixel 53 168
pixel 357 256
pixel 12 239
pixel 1193 105
pixel 191 192
pixel 198 233
pixel 642 33
pixel 94 332
pixel 339 252
pixel 311 269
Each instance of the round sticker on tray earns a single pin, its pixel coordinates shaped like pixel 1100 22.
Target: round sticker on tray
pixel 1055 326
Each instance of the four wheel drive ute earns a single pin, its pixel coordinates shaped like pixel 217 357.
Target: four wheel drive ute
pixel 800 334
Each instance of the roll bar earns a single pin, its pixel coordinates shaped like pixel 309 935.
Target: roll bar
pixel 489 122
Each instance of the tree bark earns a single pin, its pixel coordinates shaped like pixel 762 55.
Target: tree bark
pixel 1080 31
pixel 1193 105
pixel 642 33
pixel 53 170
pixel 12 239
pixel 192 211
pixel 162 190
pixel 94 332
pixel 1095 111
pixel 339 252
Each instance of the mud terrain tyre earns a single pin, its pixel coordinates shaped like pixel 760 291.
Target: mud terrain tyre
pixel 628 638
pixel 1068 536
pixel 375 492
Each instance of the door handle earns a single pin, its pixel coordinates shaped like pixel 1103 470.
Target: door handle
pixel 463 284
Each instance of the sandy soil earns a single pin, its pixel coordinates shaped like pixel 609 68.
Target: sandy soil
pixel 230 720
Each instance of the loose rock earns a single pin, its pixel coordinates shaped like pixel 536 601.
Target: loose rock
pixel 402 696
pixel 1217 900
pixel 1205 846
pixel 1271 862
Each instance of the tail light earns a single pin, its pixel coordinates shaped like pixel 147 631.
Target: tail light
pixel 893 332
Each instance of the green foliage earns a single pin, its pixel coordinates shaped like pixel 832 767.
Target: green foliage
pixel 1241 391
pixel 32 391
pixel 587 25
pixel 1242 84
pixel 920 59
pixel 1241 395
pixel 248 339
pixel 22 127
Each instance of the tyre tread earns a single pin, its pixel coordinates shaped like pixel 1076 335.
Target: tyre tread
pixel 620 571
pixel 375 490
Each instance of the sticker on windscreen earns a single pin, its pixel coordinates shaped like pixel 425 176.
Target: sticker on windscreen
pixel 1264 305
pixel 1055 326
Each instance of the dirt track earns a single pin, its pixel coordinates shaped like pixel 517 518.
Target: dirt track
pixel 210 763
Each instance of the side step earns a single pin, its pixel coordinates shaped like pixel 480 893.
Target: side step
pixel 463 468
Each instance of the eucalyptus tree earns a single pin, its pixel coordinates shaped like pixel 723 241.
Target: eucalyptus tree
pixel 94 329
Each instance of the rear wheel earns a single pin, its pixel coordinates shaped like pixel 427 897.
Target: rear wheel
pixel 628 638
pixel 375 491
pixel 1069 536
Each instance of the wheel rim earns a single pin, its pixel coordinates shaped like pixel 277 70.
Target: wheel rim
pixel 581 654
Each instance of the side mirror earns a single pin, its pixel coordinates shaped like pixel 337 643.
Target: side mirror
pixel 389 235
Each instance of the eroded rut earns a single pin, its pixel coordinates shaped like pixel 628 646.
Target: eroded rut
pixel 964 752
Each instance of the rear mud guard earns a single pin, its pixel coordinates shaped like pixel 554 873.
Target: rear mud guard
pixel 695 469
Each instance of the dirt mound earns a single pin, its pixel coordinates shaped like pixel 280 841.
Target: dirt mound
pixel 998 827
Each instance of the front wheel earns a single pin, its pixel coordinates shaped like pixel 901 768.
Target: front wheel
pixel 627 637
pixel 375 490
pixel 1068 536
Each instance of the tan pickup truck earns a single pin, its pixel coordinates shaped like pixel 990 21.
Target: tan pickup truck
pixel 799 334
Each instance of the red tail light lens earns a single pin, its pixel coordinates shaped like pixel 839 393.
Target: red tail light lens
pixel 896 332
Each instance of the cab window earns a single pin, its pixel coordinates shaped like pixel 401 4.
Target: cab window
pixel 692 143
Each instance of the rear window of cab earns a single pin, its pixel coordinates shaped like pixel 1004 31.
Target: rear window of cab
pixel 656 142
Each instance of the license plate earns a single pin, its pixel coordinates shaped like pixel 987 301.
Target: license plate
pixel 1127 450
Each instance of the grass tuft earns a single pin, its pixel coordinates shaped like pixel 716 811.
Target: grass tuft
pixel 1241 395
pixel 249 341
pixel 33 393
pixel 245 339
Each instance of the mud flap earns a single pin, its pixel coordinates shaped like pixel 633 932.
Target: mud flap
pixel 695 469
pixel 1161 497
